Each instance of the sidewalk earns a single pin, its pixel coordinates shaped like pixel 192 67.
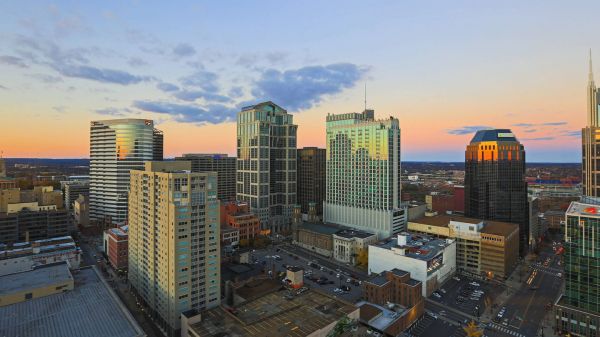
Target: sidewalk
pixel 511 286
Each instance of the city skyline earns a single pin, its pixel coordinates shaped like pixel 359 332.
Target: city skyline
pixel 66 65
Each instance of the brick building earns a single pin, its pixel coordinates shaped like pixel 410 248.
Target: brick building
pixel 117 246
pixel 237 215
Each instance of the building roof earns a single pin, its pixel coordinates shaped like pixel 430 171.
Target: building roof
pixel 378 280
pixel 418 246
pixel 40 277
pixel 581 209
pixel 320 228
pixel 399 272
pixel 489 226
pixel 412 282
pixel 499 228
pixel 353 233
pixel 503 135
pixel 90 309
pixel 378 316
pixel 274 315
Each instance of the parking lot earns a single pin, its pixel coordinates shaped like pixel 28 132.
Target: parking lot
pixel 327 275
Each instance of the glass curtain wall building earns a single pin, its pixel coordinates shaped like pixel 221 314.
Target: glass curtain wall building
pixel 266 163
pixel 116 147
pixel 363 173
pixel 577 311
pixel 220 163
pixel 495 186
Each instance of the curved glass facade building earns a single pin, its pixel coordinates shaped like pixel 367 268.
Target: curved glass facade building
pixel 116 147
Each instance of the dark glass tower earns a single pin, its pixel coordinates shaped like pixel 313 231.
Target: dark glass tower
pixel 495 187
pixel 220 163
pixel 311 178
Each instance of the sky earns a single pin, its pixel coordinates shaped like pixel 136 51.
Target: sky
pixel 443 68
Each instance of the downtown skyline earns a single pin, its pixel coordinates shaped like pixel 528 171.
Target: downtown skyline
pixel 524 67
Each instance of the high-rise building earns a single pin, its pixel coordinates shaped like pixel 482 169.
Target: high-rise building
pixel 590 137
pixel 495 187
pixel 220 163
pixel 72 190
pixel 266 163
pixel 174 259
pixel 363 173
pixel 116 147
pixel 2 168
pixel 311 178
pixel 577 311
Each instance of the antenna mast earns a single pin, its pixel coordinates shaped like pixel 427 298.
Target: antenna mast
pixel 365 96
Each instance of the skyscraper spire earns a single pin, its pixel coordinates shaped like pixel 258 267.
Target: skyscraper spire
pixel 592 96
pixel 591 73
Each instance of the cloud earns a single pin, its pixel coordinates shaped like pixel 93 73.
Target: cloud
pixel 13 61
pixel 167 87
pixel 120 112
pixel 236 92
pixel 47 78
pixel 136 62
pixel 205 80
pixel 192 95
pixel 3 87
pixel 184 50
pixel 575 133
pixel 59 108
pixel 554 123
pixel 538 138
pixel 465 130
pixel 75 62
pixel 186 113
pixel 524 125
pixel 303 88
pixel 530 130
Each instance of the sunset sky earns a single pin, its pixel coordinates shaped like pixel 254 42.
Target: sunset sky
pixel 444 68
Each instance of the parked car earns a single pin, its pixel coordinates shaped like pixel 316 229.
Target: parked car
pixel 475 284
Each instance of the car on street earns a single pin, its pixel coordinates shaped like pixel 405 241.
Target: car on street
pixel 475 284
pixel 345 288
pixel 349 281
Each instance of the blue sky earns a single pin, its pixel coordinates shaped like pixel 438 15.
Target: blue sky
pixel 444 69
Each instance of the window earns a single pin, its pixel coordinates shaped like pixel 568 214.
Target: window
pixel 28 296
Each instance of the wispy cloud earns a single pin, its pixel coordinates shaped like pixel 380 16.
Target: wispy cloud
pixel 528 125
pixel 574 133
pixel 538 138
pixel 554 123
pixel 184 50
pixel 465 130
pixel 205 80
pixel 303 88
pixel 192 95
pixel 117 112
pixel 13 61
pixel 136 62
pixel 167 87
pixel 190 113
pixel 3 87
pixel 529 130
pixel 524 125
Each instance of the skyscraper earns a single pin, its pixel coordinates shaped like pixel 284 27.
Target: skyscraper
pixel 311 178
pixel 174 259
pixel 266 164
pixel 220 163
pixel 590 137
pixel 116 147
pixel 363 173
pixel 495 187
pixel 577 311
pixel 2 168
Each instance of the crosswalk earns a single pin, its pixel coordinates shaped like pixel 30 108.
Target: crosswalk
pixel 505 330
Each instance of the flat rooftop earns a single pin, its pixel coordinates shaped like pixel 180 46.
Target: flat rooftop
pixel 581 209
pixel 489 226
pixel 419 246
pixel 377 316
pixel 320 227
pixel 91 309
pixel 274 315
pixel 499 228
pixel 378 280
pixel 34 279
pixel 353 233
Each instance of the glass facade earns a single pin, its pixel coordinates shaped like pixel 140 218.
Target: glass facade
pixel 266 163
pixel 116 147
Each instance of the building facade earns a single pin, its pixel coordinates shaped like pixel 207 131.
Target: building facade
pixel 363 173
pixel 349 243
pixel 117 248
pixel 428 260
pixel 220 163
pixel 590 137
pixel 2 168
pixel 174 254
pixel 577 311
pixel 237 215
pixel 495 187
pixel 116 147
pixel 311 179
pixel 266 163
pixel 72 190
pixel 25 256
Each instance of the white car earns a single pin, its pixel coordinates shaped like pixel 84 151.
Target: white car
pixel 348 280
pixel 475 284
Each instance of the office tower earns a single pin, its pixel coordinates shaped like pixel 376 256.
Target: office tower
pixel 266 163
pixel 116 147
pixel 577 311
pixel 590 137
pixel 311 178
pixel 174 261
pixel 72 190
pixel 157 144
pixel 495 187
pixel 363 173
pixel 220 163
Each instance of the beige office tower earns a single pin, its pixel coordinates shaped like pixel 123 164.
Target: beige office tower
pixel 174 261
pixel 590 137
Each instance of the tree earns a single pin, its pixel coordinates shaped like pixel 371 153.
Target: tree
pixel 244 243
pixel 473 330
pixel 363 257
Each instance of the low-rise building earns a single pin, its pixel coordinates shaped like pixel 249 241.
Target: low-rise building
pixel 238 215
pixel 72 190
pixel 428 260
pixel 81 211
pixel 316 237
pixel 117 250
pixel 348 243
pixel 50 301
pixel 480 244
pixel 25 256
pixel 230 236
